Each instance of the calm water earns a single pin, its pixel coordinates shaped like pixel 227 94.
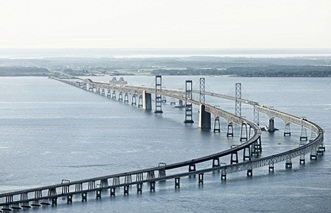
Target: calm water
pixel 52 131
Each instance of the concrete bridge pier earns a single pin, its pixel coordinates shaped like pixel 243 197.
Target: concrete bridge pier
pixel 126 98
pixel 216 162
pixel 250 172
pixel 287 129
pixel 234 156
pixel 243 132
pixel 223 172
pixel 201 178
pixel 134 100
pixel 230 130
pixel 113 95
pixel 302 159
pixel 288 164
pixel 303 135
pixel 108 94
pixel 177 182
pixel 147 101
pixel 37 195
pixel 247 153
pixel 217 124
pixel 204 118
pixel 271 167
pixel 271 127
pixel 120 96
pixel 313 154
pixel 140 101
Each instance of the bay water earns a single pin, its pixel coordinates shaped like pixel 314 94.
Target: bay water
pixel 52 131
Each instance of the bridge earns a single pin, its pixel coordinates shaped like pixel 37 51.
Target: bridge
pixel 243 157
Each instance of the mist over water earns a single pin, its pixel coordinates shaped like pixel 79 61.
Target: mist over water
pixel 159 53
pixel 52 131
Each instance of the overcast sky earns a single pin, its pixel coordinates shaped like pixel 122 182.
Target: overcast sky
pixel 165 23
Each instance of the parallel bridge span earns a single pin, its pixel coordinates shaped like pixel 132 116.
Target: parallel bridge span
pixel 48 195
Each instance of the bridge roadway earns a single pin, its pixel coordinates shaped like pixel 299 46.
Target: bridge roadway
pixel 48 195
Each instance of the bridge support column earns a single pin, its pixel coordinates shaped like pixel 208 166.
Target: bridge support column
pixel 140 101
pixel 247 154
pixel 126 190
pixel 243 132
pixel 69 199
pixel 302 159
pixel 188 105
pixel 257 146
pixel 120 96
pixel 237 102
pixel 204 118
pixel 223 174
pixel 108 94
pixel 321 149
pixel 37 195
pixel 216 162
pixel 201 178
pixel 113 95
pixel 303 135
pixel 217 124
pixel 112 192
pixel 230 130
pixel 126 98
pixel 25 204
pixel 287 129
pixel 177 183
pixel 256 116
pixel 313 154
pixel 54 201
pixel 103 92
pixel 288 164
pixel 271 167
pixel 250 172
pixel 147 101
pixel 158 96
pixel 134 100
pixel 84 196
pixel 234 156
pixel 152 186
pixel 271 127
pixel 139 188
pixel 162 171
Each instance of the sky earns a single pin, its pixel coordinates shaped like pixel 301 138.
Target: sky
pixel 165 24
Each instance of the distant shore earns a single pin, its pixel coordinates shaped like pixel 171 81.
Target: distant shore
pixel 197 65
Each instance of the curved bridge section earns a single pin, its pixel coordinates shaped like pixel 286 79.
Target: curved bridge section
pixel 249 148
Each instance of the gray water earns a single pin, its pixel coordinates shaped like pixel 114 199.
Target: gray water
pixel 52 131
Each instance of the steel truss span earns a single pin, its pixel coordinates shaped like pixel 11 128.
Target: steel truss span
pixel 49 195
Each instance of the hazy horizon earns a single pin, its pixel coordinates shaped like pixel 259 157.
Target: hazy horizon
pixel 160 52
pixel 164 24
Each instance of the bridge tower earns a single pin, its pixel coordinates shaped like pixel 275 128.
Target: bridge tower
pixel 188 105
pixel 204 117
pixel 202 90
pixel 237 102
pixel 256 116
pixel 158 96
